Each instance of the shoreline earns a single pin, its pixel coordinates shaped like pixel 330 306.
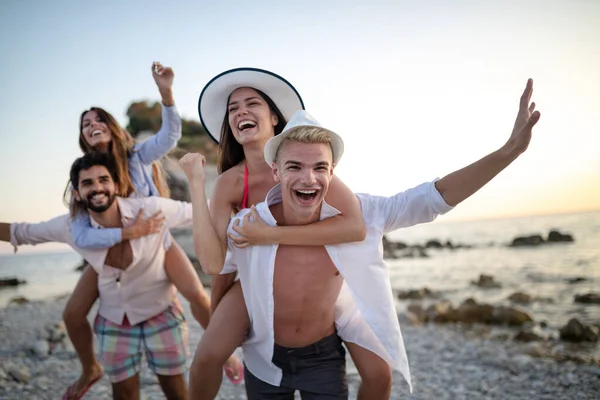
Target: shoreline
pixel 447 362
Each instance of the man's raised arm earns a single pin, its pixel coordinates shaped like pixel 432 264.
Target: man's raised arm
pixel 461 184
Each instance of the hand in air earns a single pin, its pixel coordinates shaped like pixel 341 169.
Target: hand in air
pixel 526 120
pixel 163 76
pixel 193 166
pixel 253 231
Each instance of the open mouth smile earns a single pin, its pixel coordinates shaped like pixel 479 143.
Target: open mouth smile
pixel 246 125
pixel 306 196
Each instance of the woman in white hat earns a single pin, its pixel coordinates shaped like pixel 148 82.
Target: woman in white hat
pixel 241 109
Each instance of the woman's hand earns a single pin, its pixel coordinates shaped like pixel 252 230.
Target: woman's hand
pixel 253 231
pixel 163 76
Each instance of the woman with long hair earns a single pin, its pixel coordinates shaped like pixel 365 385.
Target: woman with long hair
pixel 242 109
pixel 139 174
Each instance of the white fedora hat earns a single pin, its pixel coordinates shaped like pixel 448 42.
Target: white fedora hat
pixel 212 104
pixel 302 118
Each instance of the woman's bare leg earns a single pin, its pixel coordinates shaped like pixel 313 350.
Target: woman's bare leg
pixel 182 274
pixel 80 332
pixel 226 331
pixel 375 374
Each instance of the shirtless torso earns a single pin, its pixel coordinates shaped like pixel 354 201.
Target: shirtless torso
pixel 305 288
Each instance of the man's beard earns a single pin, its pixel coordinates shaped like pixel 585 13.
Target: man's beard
pixel 87 203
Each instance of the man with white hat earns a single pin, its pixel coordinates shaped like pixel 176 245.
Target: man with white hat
pixel 302 300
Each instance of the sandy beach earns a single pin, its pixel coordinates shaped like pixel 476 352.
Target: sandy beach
pixel 447 362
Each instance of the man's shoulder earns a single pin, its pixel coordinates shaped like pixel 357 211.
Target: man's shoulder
pixel 150 204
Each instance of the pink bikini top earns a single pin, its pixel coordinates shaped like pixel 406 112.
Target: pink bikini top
pixel 245 200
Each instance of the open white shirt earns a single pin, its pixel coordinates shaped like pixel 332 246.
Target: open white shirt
pixel 143 289
pixel 365 311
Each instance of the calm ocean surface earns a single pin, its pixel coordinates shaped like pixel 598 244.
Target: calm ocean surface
pixel 539 271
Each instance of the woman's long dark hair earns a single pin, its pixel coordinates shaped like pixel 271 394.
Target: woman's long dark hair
pixel 231 153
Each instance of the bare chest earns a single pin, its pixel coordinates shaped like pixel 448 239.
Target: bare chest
pixel 120 256
pixel 306 266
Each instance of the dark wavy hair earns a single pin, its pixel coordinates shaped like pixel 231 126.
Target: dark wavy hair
pixel 89 160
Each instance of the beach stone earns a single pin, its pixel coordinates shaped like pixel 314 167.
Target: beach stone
pixel 40 348
pixel 588 298
pixel 57 331
pixel 528 335
pixel 520 297
pixel 510 316
pixel 535 349
pixel 576 331
pixel 442 311
pixel 18 300
pixel 417 294
pixel 486 282
pixel 20 374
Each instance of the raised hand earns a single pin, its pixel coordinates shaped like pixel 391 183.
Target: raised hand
pixel 193 166
pixel 527 117
pixel 163 76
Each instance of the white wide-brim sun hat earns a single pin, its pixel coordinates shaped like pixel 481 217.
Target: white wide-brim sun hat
pixel 302 118
pixel 212 105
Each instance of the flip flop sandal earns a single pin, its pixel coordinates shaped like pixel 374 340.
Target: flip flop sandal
pixel 70 390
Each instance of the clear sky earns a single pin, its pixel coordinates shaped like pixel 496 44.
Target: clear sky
pixel 417 89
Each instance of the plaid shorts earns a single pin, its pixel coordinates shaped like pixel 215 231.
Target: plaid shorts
pixel 164 338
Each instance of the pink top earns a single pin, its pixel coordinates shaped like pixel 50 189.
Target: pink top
pixel 139 292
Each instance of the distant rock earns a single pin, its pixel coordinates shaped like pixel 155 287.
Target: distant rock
pixel 418 294
pixel 588 298
pixel 533 240
pixel 11 281
pixel 486 282
pixel 471 312
pixel 520 297
pixel 556 236
pixel 576 331
pixel 528 335
pixel 434 244
pixel 18 300
pixel 577 279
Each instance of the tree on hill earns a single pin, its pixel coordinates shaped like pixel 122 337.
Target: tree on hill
pixel 146 117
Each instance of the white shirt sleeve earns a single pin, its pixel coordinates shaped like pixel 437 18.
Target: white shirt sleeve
pixel 177 213
pixel 230 266
pixel 54 230
pixel 420 204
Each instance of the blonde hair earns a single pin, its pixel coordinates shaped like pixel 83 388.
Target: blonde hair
pixel 306 134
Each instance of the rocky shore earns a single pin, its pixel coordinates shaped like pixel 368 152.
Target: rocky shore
pixel 454 361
